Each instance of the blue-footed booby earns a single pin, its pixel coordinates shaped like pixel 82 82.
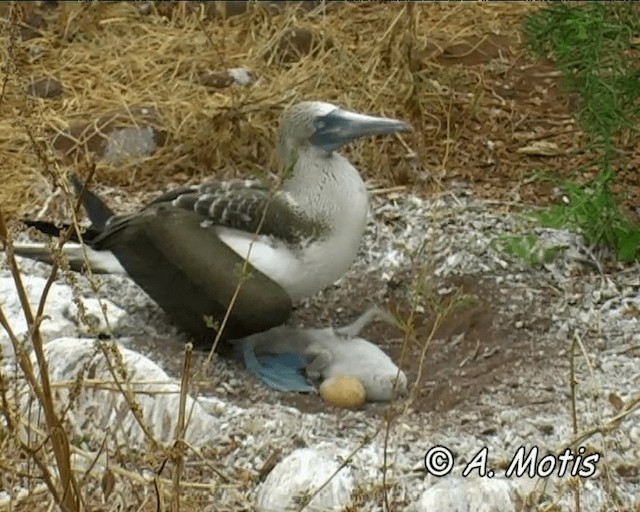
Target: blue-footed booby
pixel 186 248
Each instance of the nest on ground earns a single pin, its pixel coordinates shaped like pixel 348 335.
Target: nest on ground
pixel 162 93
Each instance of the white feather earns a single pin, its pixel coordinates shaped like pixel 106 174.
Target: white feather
pixel 327 188
pixel 100 262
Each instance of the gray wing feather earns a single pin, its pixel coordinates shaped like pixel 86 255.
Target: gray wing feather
pixel 165 250
pixel 251 207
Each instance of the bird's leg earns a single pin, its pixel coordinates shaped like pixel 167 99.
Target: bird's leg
pixel 248 348
pixel 373 313
pixel 320 359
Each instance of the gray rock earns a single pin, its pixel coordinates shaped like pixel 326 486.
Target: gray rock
pixel 101 412
pixel 46 87
pixel 301 474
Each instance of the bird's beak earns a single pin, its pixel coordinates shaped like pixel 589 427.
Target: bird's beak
pixel 339 127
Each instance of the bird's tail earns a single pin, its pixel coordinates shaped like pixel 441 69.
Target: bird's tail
pixel 41 252
pixel 49 228
pixel 77 255
pixel 97 210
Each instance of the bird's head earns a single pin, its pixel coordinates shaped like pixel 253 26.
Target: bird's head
pixel 327 128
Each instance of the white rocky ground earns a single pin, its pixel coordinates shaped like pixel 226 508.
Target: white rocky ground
pixel 244 432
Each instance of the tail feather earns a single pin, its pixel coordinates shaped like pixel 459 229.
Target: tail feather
pixel 51 229
pixel 97 210
pixel 79 257
pixel 34 251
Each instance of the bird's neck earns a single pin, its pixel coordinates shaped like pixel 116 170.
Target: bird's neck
pixel 324 185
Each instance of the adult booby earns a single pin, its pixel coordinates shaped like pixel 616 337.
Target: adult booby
pixel 186 247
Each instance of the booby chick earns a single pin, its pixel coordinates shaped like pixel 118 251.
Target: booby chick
pixel 331 352
pixel 185 248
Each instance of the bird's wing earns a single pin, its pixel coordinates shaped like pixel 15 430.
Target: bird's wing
pixel 192 274
pixel 98 211
pixel 250 207
pixel 244 205
pixel 171 250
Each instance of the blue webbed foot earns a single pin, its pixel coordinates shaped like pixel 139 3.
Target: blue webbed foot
pixel 281 372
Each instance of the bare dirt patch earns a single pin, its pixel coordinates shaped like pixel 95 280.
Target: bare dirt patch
pixel 522 125
pixel 482 343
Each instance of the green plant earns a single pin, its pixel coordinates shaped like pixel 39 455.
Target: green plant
pixel 526 247
pixel 590 44
pixel 593 210
pixel 593 46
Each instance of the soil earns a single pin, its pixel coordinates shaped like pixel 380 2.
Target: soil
pixel 530 105
pixel 474 347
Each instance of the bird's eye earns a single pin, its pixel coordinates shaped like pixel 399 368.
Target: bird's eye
pixel 319 124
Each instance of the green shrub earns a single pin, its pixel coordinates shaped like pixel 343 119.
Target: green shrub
pixel 593 46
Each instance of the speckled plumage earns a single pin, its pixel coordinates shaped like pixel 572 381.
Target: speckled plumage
pixel 249 206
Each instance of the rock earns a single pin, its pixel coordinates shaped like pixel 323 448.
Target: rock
pixel 100 408
pixel 99 316
pixel 117 137
pixel 235 8
pixel 301 474
pixel 129 143
pixel 60 318
pixel 53 325
pixel 297 43
pixel 223 79
pixel 456 494
pixel 215 79
pixel 31 25
pixel 146 8
pixel 49 5
pixel 45 88
pixel 241 76
pixel 343 391
pixel 307 6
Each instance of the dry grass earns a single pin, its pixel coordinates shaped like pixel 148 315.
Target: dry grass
pixel 109 57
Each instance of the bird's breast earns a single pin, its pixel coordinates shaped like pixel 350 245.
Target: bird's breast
pixel 305 269
pixel 333 196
